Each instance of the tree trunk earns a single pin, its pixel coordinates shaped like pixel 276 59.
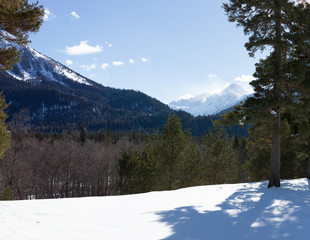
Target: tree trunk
pixel 274 179
pixel 308 168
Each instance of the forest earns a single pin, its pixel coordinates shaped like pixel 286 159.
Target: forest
pixel 79 164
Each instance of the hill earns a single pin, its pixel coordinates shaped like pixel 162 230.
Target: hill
pixel 238 211
pixel 56 98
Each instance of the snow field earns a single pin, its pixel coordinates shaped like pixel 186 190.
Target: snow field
pixel 236 211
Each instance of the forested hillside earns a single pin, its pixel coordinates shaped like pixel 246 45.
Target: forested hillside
pixel 57 99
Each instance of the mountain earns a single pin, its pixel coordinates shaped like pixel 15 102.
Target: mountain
pixel 55 98
pixel 205 104
pixel 228 211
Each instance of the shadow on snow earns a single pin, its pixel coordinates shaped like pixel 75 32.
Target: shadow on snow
pixel 249 213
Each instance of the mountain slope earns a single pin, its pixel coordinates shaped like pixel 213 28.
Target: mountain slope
pixel 236 211
pixel 57 98
pixel 211 104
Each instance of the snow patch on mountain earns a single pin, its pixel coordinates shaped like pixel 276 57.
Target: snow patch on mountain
pixel 34 66
pixel 206 104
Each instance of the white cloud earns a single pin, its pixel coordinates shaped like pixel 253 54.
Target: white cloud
pixel 88 68
pixel 104 66
pixel 212 76
pixel 117 63
pixel 244 81
pixel 83 49
pixel 245 78
pixel 143 59
pixel 69 62
pixel 186 96
pixel 131 61
pixel 74 15
pixel 48 15
pixel 109 44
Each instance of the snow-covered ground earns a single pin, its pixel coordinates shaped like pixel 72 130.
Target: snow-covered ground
pixel 238 211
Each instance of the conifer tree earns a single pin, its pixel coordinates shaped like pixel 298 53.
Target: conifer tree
pixel 270 24
pixel 17 19
pixel 300 68
pixel 177 154
pixel 219 158
pixel 4 134
pixel 5 138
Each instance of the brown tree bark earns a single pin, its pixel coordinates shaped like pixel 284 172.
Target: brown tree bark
pixel 274 180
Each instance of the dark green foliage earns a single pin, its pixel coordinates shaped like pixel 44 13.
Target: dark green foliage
pixel 137 172
pixel 219 157
pixel 6 194
pixel 177 154
pixel 83 134
pixel 4 134
pixel 17 19
pixel 5 138
pixel 279 25
pixel 258 150
pixel 168 161
pixel 172 160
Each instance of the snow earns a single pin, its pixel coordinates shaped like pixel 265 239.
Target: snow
pixel 39 65
pixel 206 104
pixel 37 54
pixel 71 75
pixel 15 76
pixel 237 211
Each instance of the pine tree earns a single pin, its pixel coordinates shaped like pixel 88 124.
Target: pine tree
pixel 270 24
pixel 17 19
pixel 5 138
pixel 219 158
pixel 4 134
pixel 300 67
pixel 177 155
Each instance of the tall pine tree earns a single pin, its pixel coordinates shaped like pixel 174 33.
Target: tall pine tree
pixel 219 158
pixel 269 25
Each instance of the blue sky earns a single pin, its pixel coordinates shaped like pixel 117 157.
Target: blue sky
pixel 165 48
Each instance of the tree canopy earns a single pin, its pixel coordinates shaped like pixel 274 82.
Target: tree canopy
pixel 18 18
pixel 281 27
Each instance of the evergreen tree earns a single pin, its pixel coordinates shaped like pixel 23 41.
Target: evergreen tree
pixel 168 161
pixel 4 134
pixel 300 68
pixel 83 134
pixel 5 138
pixel 17 19
pixel 177 155
pixel 219 158
pixel 271 24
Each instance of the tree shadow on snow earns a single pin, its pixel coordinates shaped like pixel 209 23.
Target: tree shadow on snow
pixel 249 213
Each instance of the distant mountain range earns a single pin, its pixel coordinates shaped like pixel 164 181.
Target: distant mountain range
pixel 56 98
pixel 205 104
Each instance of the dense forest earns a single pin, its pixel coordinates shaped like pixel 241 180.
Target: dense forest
pixel 76 164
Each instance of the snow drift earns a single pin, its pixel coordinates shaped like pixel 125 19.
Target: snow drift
pixel 237 211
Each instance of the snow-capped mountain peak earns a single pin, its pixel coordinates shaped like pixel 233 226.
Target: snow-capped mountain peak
pixel 206 104
pixel 36 67
pixel 233 89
